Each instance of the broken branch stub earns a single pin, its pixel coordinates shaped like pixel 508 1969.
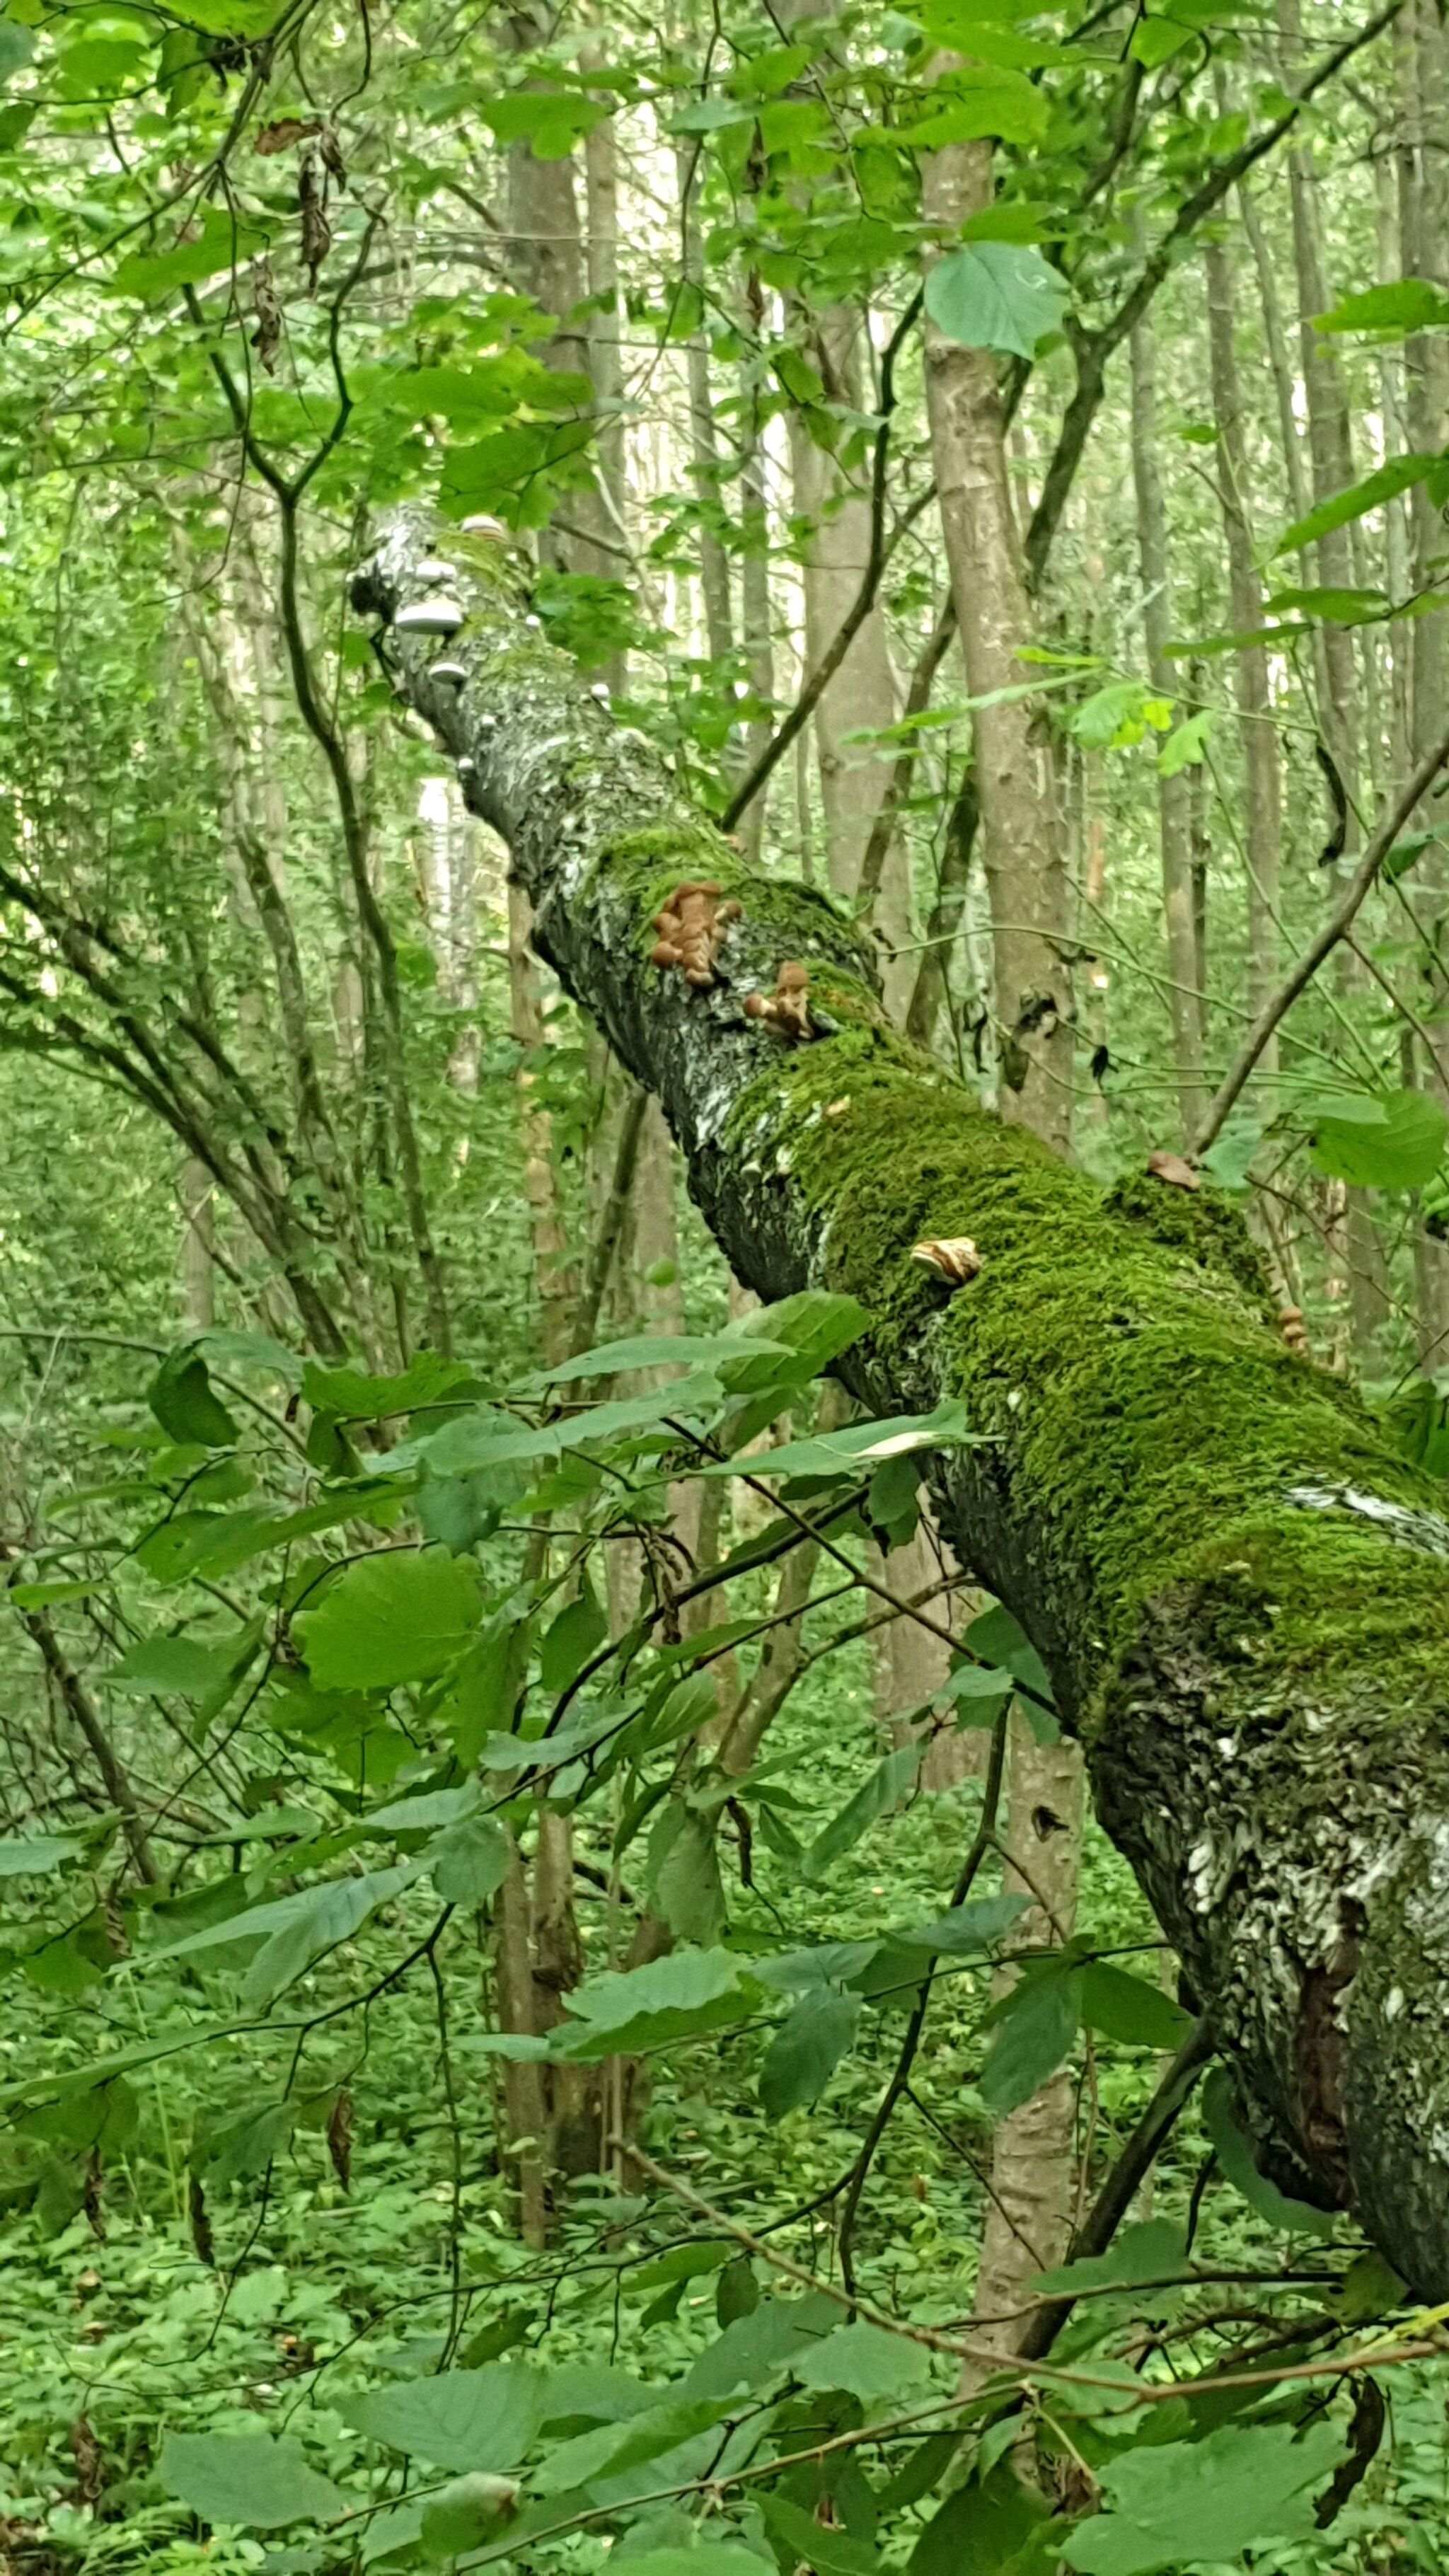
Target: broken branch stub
pixel 1240 1591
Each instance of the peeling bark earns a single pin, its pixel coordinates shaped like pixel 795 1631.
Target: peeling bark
pixel 1241 1592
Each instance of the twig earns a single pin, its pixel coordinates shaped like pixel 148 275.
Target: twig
pixel 918 697
pixel 860 607
pixel 985 1837
pixel 1340 921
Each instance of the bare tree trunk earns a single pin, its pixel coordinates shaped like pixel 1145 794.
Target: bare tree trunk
pixel 1023 860
pixel 1257 733
pixel 1031 2161
pixel 704 447
pixel 1173 810
pixel 1424 233
pixel 861 697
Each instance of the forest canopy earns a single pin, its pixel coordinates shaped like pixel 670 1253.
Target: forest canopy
pixel 725 1304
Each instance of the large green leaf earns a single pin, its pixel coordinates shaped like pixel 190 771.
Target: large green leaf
pixel 33 1855
pixel 884 1789
pixel 462 2419
pixel 357 1397
pixel 995 2526
pixel 609 2450
pixel 1035 2026
pixel 1154 2251
pixel 1235 2157
pixel 859 1445
pixel 1399 475
pixel 757 2348
pixel 186 1665
pixel 1194 2502
pixel 867 2363
pixel 806 2049
pixel 1392 1141
pixel 204 250
pixel 1128 2009
pixel 624 2010
pixel 297 1930
pixel 808 2543
pixel 997 295
pixel 468 1862
pixel 397 1616
pixel 261 2480
pixel 1407 304
pixel 180 1396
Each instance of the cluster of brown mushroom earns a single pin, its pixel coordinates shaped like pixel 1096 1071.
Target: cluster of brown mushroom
pixel 788 1007
pixel 691 926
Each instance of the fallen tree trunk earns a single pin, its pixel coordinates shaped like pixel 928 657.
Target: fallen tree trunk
pixel 1240 1591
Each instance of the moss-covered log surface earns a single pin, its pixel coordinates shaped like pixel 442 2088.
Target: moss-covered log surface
pixel 1241 1592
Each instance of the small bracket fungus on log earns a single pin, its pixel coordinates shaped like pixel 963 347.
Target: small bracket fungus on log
pixel 1171 1168
pixel 952 1257
pixel 691 927
pixel 1295 1331
pixel 788 1007
pixel 432 616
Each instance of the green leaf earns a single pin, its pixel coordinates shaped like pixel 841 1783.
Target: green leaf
pixel 809 2543
pixel 967 1929
pixel 622 2011
pixel 757 2348
pixel 814 1326
pixel 867 2363
pixel 462 2419
pixel 1000 1639
pixel 1198 2501
pixel 397 1616
pixel 356 1397
pixel 17 46
pixel 1394 1141
pixel 806 2050
pixel 996 295
pixel 1035 2026
pixel 185 1665
pixel 204 251
pixel 261 2480
pixel 469 1862
pixel 1338 607
pixel 576 1634
pixel 1128 2009
pixel 549 121
pixel 711 2558
pixel 1154 2251
pixel 1184 746
pixel 296 1930
pixel 860 1444
pixel 1235 2157
pixel 34 1855
pixel 883 1790
pixel 610 2450
pixel 686 1889
pixel 1407 304
pixel 1399 475
pixel 180 1396
pixel 996 2526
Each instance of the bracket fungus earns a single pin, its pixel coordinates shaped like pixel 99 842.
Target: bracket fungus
pixel 952 1257
pixel 432 616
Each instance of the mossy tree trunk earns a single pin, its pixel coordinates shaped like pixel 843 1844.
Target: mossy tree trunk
pixel 1241 1592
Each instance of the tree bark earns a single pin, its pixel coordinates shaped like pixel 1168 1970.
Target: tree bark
pixel 1240 1590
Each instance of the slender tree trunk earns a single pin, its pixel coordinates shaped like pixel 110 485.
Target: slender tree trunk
pixel 1022 857
pixel 1173 812
pixel 861 698
pixel 1027 879
pixel 1262 804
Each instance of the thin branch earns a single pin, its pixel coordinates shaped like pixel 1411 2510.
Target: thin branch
pixel 1340 921
pixel 876 560
pixel 1094 348
pixel 985 1837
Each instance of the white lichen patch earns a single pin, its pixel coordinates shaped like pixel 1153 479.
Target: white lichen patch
pixel 1422 1530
